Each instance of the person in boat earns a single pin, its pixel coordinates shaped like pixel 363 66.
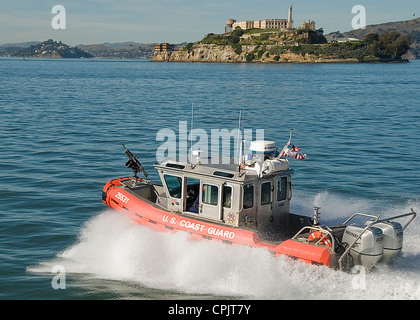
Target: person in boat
pixel 194 206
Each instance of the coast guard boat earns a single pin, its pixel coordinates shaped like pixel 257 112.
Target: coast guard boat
pixel 249 204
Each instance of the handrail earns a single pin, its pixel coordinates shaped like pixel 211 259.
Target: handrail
pixel 362 214
pixel 340 260
pixel 409 221
pixel 322 230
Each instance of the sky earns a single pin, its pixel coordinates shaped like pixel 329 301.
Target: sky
pixel 176 21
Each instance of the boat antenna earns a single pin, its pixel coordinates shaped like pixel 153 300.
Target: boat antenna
pixel 191 133
pixel 239 143
pixel 288 142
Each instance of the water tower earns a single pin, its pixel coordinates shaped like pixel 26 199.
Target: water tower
pixel 229 25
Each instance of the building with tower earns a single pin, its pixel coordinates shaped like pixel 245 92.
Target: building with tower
pixel 281 24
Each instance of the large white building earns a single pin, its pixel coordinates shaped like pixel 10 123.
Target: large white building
pixel 282 24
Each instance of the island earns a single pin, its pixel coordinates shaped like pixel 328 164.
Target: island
pixel 291 46
pixel 278 41
pixel 52 49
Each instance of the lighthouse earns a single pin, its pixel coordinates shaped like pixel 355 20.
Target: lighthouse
pixel 289 19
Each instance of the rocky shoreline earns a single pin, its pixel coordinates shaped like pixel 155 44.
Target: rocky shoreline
pixel 216 54
pixel 209 53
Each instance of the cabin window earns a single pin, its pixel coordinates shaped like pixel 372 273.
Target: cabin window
pixel 175 165
pixel 193 186
pixel 223 174
pixel 174 185
pixel 248 196
pixel 210 194
pixel 227 196
pixel 265 193
pixel 281 189
pixel 193 192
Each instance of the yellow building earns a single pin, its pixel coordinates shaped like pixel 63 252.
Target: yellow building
pixel 282 24
pixel 162 47
pixel 308 25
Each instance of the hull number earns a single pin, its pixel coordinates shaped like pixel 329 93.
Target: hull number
pixel 121 197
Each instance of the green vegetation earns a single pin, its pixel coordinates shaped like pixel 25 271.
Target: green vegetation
pixel 409 27
pixel 189 47
pixel 250 57
pixel 223 39
pixel 388 45
pixel 237 48
pixel 375 47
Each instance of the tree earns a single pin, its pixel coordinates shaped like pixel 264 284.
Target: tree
pixel 189 47
pixel 387 40
pixel 250 57
pixel 237 48
pixel 235 36
pixel 390 45
pixel 371 38
pixel 400 46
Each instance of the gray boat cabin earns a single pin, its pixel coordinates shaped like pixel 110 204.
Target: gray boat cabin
pixel 253 195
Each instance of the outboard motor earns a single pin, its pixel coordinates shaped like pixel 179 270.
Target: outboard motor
pixel 393 239
pixel 368 249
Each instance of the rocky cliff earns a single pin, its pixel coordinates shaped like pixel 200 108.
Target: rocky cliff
pixel 249 53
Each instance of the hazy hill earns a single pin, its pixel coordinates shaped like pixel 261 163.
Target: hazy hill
pixel 122 50
pixel 8 49
pixel 408 27
pixel 52 49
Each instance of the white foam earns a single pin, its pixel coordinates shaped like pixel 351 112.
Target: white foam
pixel 111 246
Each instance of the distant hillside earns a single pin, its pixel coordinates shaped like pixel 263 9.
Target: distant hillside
pixel 52 49
pixel 8 49
pixel 409 27
pixel 124 50
pixel 121 50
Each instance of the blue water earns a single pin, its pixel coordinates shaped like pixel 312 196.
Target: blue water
pixel 61 127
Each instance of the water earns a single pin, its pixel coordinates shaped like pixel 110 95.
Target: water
pixel 62 122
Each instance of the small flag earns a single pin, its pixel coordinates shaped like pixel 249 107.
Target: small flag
pixel 293 153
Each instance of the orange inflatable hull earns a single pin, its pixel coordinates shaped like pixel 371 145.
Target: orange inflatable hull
pixel 148 214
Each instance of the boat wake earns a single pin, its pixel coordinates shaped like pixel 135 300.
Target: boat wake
pixel 113 247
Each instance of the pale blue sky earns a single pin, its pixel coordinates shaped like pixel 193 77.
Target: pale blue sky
pixel 148 21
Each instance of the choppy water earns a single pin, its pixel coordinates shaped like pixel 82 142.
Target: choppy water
pixel 61 125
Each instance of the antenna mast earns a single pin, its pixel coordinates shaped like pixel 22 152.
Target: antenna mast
pixel 239 146
pixel 191 133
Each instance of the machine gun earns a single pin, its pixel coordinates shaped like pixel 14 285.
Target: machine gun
pixel 134 164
